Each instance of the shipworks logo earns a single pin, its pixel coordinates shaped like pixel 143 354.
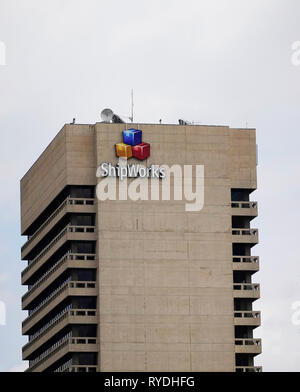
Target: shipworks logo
pixel 125 181
pixel 133 146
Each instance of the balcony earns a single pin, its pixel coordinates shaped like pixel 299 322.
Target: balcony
pixel 69 205
pixel 60 321
pixel 244 208
pixel 248 369
pixel 67 289
pixel 247 318
pixel 248 236
pixel 61 348
pixel 248 346
pixel 69 260
pixel 245 263
pixel 69 233
pixel 70 367
pixel 78 369
pixel 246 290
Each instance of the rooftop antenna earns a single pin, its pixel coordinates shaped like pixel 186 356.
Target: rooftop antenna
pixel 131 117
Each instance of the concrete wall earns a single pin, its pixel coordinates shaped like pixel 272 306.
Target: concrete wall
pixel 166 299
pixel 69 159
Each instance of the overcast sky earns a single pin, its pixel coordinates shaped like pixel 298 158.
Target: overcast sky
pixel 209 61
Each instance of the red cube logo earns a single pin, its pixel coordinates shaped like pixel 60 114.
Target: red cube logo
pixel 141 151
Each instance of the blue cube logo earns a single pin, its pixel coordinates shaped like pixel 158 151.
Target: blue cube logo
pixel 132 137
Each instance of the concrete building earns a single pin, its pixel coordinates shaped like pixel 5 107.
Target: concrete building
pixel 123 285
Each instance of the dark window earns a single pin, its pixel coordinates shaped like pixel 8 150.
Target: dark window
pixel 240 222
pixel 87 358
pixel 86 192
pixel 87 303
pixel 239 250
pixel 240 194
pixel 82 220
pixel 86 275
pixel 83 247
pixel 243 333
pixel 243 360
pixel 87 330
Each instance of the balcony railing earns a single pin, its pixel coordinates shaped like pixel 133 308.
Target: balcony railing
pixel 248 342
pixel 248 369
pixel 246 314
pixel 245 263
pixel 69 367
pixel 67 256
pixel 61 342
pixel 48 326
pixel 66 340
pixel 244 204
pixel 56 320
pixel 67 284
pixel 67 201
pixel 63 367
pixel 67 229
pixel 246 286
pixel 31 263
pixel 49 297
pixel 245 232
pixel 245 259
pixel 82 369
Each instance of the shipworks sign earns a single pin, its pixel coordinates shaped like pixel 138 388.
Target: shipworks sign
pixel 132 146
pixel 138 182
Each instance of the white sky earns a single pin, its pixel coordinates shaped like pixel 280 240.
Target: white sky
pixel 211 61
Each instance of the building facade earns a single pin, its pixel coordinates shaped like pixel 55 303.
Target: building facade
pixel 124 285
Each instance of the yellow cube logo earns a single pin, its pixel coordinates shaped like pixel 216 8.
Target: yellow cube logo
pixel 123 150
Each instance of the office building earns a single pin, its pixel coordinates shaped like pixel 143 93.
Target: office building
pixel 146 285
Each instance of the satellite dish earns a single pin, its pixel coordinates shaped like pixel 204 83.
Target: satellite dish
pixel 107 115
